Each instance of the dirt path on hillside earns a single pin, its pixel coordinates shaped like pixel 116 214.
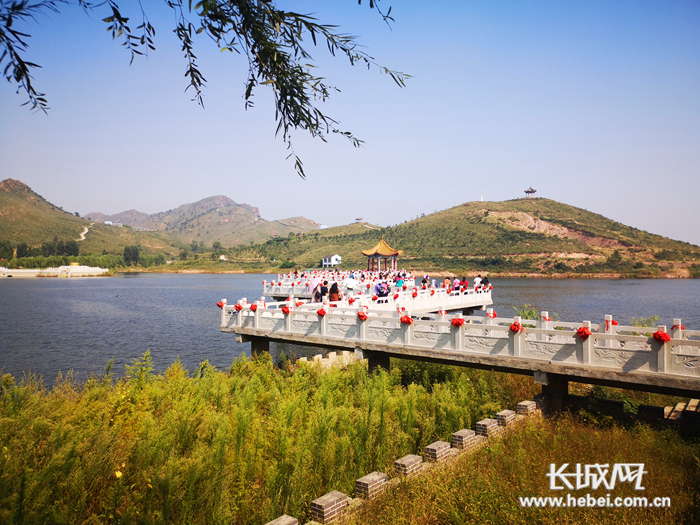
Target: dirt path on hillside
pixel 82 235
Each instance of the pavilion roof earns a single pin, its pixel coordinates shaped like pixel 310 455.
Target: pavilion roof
pixel 383 249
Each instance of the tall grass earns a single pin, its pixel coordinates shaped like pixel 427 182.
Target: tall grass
pixel 241 446
pixel 485 486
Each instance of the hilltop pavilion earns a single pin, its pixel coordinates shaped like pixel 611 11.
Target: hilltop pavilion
pixel 382 251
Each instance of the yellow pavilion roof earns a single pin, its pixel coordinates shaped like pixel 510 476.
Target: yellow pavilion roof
pixel 383 249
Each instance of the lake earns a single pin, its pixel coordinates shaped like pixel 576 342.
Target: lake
pixel 54 324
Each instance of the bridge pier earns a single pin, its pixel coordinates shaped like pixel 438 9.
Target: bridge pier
pixel 259 345
pixel 555 387
pixel 374 358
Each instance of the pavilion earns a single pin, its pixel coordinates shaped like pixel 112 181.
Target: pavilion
pixel 382 251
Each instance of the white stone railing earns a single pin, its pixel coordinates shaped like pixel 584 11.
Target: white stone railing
pixel 609 346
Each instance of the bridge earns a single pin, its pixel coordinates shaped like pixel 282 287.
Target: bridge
pixel 554 352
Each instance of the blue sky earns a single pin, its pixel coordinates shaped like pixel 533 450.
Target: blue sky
pixel 593 103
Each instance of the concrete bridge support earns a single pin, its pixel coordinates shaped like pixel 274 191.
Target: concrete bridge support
pixel 374 359
pixel 259 345
pixel 555 388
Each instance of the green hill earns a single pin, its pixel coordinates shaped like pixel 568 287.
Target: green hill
pixel 520 236
pixel 26 217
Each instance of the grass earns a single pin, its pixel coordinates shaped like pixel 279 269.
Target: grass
pixel 484 486
pixel 242 446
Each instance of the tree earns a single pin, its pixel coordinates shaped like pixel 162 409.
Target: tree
pixel 271 39
pixel 131 255
pixel 5 250
pixel 22 249
pixel 72 248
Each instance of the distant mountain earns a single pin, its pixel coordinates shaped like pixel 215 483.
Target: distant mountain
pixel 217 218
pixel 26 217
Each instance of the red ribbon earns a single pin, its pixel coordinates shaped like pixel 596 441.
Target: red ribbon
pixel 414 294
pixel 285 310
pixel 678 326
pixel 299 303
pixel 545 318
pixel 407 320
pixel 517 327
pixel 374 297
pixel 321 312
pixel 609 323
pixel 220 304
pixel 238 307
pixel 492 316
pixel 457 322
pixel 351 300
pixel 432 292
pixel 253 307
pixel 362 316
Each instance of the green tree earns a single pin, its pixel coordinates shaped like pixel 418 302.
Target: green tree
pixel 216 246
pixel 275 42
pixel 131 255
pixel 72 248
pixel 5 250
pixel 22 250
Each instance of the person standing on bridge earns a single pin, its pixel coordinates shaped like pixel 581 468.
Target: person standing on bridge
pixel 334 294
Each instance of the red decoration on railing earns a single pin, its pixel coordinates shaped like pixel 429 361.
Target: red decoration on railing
pixel 457 321
pixel 285 310
pixel 406 319
pixel 661 337
pixel 238 307
pixel 368 285
pixel 321 312
pixel 333 305
pixel 492 315
pixel 404 287
pixel 414 294
pixel 280 283
pixel 517 327
pixel 253 307
pixel 351 300
pixel 396 296
pixel 678 326
pixel 545 318
pixel 299 303
pixel 375 297
pixel 608 324
pixel 584 333
pixel 362 316
pixel 432 292
pixel 220 304
pixel 490 287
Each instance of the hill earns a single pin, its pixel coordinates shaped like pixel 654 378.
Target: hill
pixel 518 236
pixel 26 217
pixel 217 218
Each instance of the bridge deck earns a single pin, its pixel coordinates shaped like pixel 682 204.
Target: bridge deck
pixel 615 355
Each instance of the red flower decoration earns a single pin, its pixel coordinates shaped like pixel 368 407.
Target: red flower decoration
pixel 414 294
pixel 220 304
pixel 545 318
pixel 374 297
pixel 253 307
pixel 299 303
pixel 662 337
pixel 285 310
pixel 321 312
pixel 333 305
pixel 396 296
pixel 404 287
pixel 584 333
pixel 490 287
pixel 238 307
pixel 457 322
pixel 407 320
pixel 351 300
pixel 368 285
pixel 432 292
pixel 362 316
pixel 492 316
pixel 678 326
pixel 516 327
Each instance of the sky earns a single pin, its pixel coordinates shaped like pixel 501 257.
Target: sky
pixel 593 103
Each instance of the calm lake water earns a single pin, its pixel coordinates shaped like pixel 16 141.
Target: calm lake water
pixel 50 325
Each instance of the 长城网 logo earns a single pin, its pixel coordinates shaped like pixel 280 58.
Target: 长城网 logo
pixel 595 476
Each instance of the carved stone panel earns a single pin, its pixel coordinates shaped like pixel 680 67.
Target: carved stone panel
pixel 432 340
pixel 685 365
pixel 551 351
pixel 627 361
